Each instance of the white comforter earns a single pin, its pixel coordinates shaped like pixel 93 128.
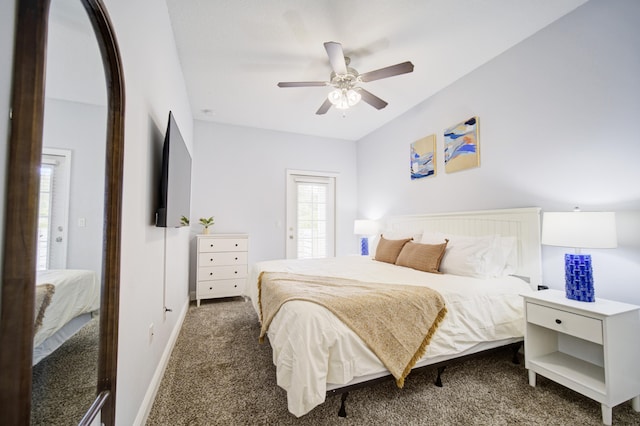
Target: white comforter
pixel 312 348
pixel 76 292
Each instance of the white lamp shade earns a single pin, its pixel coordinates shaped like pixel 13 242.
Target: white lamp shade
pixel 580 229
pixel 365 227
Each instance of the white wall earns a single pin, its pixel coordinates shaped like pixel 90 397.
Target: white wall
pixel 81 128
pixel 239 176
pixel 151 257
pixel 557 115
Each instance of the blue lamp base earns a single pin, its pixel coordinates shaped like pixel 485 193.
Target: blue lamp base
pixel 364 246
pixel 579 277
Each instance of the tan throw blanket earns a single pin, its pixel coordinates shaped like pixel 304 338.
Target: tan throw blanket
pixel 44 293
pixel 395 321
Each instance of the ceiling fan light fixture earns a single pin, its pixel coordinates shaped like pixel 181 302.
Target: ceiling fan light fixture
pixel 346 81
pixel 343 98
pixel 353 97
pixel 335 96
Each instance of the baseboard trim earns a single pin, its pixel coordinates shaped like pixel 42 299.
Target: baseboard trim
pixel 154 385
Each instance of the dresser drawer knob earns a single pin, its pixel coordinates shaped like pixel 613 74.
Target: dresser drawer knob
pixel 210 260
pixel 558 321
pixel 236 244
pixel 210 288
pixel 210 245
pixel 235 285
pixel 236 258
pixel 210 273
pixel 235 272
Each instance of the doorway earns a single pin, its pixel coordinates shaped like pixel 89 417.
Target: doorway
pixel 53 209
pixel 310 230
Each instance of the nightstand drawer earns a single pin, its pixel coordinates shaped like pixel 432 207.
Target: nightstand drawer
pixel 565 322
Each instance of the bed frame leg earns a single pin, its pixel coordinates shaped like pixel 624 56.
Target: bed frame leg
pixel 516 348
pixel 343 411
pixel 438 382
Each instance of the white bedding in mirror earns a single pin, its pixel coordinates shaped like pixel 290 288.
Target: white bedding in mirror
pixel 76 294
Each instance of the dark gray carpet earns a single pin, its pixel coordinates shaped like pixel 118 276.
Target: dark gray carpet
pixel 218 374
pixel 64 383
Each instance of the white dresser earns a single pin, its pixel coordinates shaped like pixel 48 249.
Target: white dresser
pixel 221 265
pixel 590 347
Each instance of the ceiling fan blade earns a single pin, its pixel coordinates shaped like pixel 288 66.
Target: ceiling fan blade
pixel 324 107
pixel 371 99
pixel 397 69
pixel 302 83
pixel 336 57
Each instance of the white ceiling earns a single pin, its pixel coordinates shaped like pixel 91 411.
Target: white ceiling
pixel 233 53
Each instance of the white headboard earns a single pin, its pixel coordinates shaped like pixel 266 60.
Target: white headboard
pixel 522 223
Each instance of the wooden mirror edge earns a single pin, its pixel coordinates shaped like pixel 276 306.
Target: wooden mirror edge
pixel 21 209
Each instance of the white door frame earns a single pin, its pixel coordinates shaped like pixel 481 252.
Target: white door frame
pixel 62 211
pixel 291 211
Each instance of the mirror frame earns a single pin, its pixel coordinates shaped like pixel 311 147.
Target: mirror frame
pixel 21 212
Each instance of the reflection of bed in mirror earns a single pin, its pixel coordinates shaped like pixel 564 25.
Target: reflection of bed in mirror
pixel 66 300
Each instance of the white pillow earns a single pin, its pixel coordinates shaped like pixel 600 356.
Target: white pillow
pixel 510 255
pixel 479 257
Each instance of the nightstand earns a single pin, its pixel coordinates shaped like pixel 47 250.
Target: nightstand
pixel 590 347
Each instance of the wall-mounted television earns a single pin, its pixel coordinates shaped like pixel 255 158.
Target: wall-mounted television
pixel 175 179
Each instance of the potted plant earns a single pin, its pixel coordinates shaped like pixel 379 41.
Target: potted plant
pixel 206 222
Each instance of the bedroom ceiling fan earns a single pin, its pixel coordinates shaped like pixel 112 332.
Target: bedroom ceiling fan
pixel 346 81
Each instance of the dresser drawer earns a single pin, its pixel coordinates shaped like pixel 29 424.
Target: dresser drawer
pixel 223 258
pixel 222 272
pixel 222 244
pixel 221 288
pixel 580 326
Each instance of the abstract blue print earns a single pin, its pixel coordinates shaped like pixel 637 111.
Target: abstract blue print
pixel 423 157
pixel 461 146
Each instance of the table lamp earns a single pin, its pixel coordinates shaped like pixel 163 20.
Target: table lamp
pixel 365 228
pixel 579 230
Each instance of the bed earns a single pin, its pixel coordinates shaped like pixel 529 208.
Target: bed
pixel 65 301
pixel 316 353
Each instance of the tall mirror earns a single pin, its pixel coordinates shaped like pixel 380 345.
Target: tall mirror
pixel 70 218
pixel 61 257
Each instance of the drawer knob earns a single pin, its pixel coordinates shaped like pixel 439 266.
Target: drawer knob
pixel 558 321
pixel 235 285
pixel 236 258
pixel 236 244
pixel 210 260
pixel 210 245
pixel 235 272
pixel 210 273
pixel 210 288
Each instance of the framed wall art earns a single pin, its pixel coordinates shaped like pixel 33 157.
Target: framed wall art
pixel 461 146
pixel 423 157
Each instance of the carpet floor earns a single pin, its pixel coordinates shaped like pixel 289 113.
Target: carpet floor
pixel 219 374
pixel 64 383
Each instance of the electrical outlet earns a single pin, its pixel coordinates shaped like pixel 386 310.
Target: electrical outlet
pixel 151 333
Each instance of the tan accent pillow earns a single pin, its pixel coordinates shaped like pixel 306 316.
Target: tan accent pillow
pixel 388 250
pixel 423 257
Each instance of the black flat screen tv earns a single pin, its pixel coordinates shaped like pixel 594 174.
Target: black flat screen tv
pixel 175 179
